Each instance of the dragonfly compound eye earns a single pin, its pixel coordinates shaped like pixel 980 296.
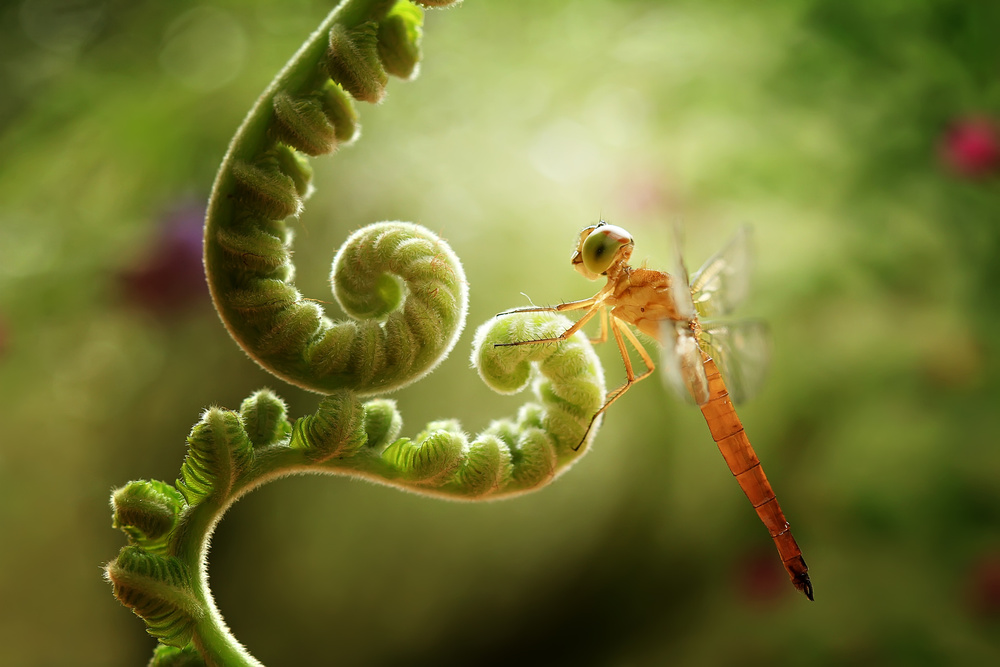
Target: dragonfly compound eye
pixel 601 247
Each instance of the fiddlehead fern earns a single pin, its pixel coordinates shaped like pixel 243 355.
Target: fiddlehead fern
pixel 162 574
pixel 405 293
pixel 264 179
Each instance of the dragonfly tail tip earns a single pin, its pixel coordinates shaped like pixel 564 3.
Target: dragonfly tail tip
pixel 805 585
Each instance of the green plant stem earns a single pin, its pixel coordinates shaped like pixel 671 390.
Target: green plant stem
pixel 406 296
pixel 217 645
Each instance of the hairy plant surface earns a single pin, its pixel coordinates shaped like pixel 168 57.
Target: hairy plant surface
pixel 406 297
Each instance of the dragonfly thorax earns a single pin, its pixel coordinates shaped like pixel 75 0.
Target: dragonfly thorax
pixel 642 297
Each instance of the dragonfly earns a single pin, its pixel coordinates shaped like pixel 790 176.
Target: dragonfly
pixel 699 355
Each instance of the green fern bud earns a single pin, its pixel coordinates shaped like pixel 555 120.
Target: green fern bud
pixel 533 458
pixel 293 165
pixel 353 61
pixel 335 430
pixel 147 512
pixel 219 449
pixel 487 467
pixel 340 111
pixel 266 190
pixel 260 299
pixel 264 419
pixel 382 422
pixel 158 589
pixel 259 252
pixel 399 36
pixel 430 461
pixel 302 123
pixel 292 329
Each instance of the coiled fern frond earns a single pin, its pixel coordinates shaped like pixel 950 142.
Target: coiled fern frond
pixel 405 295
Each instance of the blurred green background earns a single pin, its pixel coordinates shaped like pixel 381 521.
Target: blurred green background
pixel 855 137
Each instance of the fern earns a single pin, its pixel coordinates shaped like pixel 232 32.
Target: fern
pixel 405 295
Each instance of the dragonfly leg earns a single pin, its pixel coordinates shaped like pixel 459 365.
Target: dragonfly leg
pixel 562 307
pixel 631 378
pixel 619 330
pixel 646 359
pixel 603 336
pixel 561 337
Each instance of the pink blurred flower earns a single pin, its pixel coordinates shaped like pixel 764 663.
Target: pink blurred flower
pixel 971 147
pixel 644 192
pixel 168 277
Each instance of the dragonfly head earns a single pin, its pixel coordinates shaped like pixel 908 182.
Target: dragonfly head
pixel 601 247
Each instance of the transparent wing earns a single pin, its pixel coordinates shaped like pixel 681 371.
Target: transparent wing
pixel 680 289
pixel 722 283
pixel 741 350
pixel 681 362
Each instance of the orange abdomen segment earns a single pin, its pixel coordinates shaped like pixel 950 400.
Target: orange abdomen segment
pixel 728 433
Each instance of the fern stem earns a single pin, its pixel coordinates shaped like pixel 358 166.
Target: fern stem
pixel 405 294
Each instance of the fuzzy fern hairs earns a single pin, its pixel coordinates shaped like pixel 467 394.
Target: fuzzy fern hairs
pixel 405 294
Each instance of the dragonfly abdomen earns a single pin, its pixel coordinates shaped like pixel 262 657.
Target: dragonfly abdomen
pixel 729 435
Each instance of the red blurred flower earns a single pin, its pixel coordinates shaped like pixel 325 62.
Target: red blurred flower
pixel 760 578
pixel 169 276
pixel 983 592
pixel 971 147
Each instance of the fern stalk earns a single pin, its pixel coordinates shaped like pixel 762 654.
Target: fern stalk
pixel 406 296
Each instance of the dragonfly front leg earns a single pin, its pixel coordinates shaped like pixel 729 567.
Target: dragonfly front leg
pixel 582 304
pixel 594 307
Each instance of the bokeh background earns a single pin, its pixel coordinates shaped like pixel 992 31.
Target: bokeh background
pixel 860 141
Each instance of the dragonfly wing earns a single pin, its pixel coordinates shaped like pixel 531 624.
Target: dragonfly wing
pixel 680 288
pixel 681 362
pixel 722 283
pixel 741 351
